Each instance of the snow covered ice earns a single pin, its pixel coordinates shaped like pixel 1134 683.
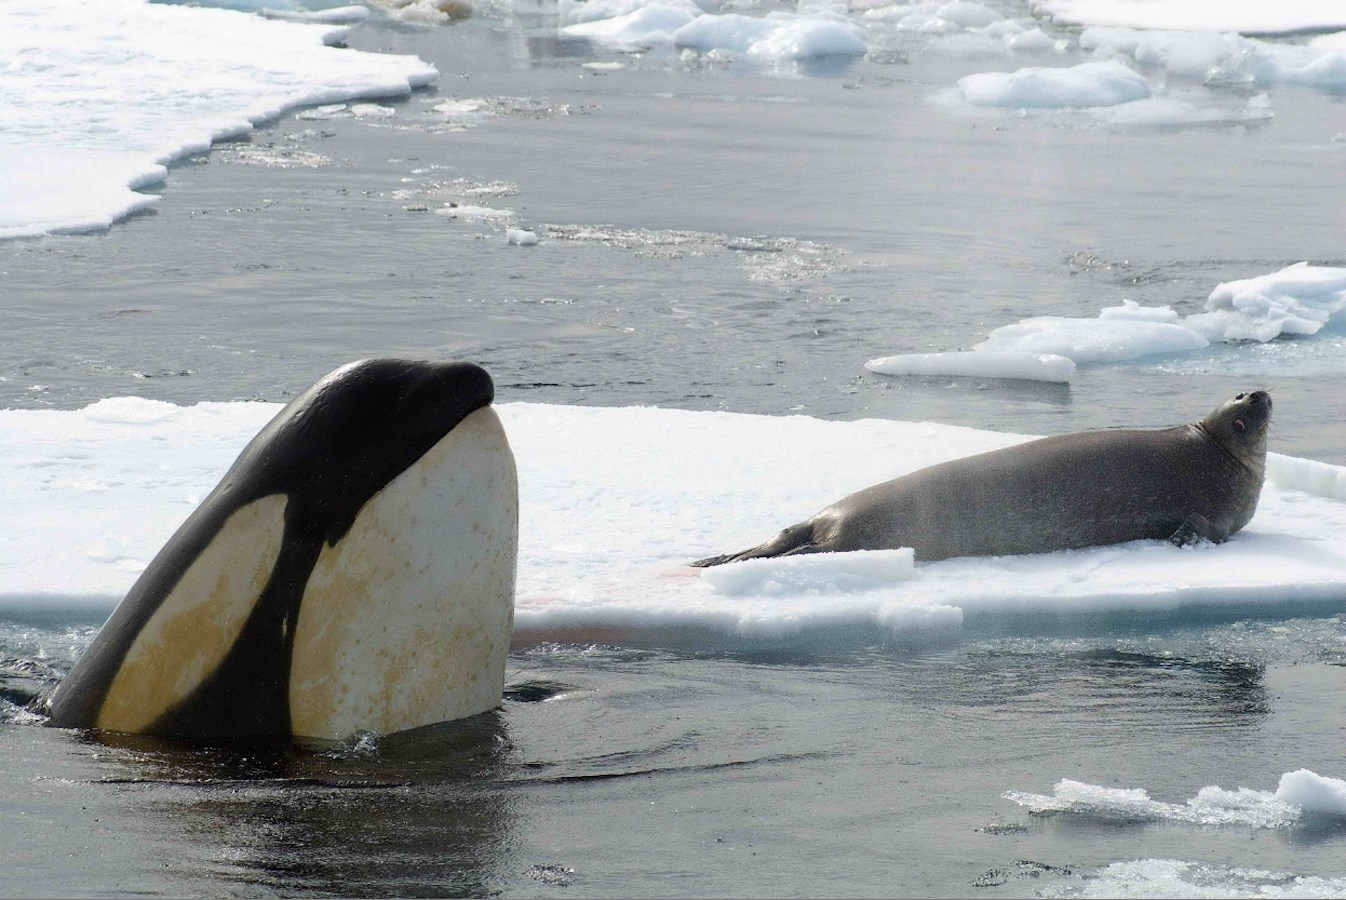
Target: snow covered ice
pixel 1144 878
pixel 1297 300
pixel 988 364
pixel 778 37
pixel 1255 16
pixel 1301 794
pixel 89 121
pixel 608 528
pixel 1088 84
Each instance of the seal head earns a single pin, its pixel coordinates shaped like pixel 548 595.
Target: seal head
pixel 1239 426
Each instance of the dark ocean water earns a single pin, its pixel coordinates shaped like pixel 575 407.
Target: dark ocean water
pixel 713 237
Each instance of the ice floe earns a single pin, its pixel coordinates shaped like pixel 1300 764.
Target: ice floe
pixel 1146 878
pixel 95 106
pixel 1299 299
pixel 1247 16
pixel 987 364
pixel 1223 59
pixel 1302 794
pixel 1087 84
pixel 814 31
pixel 608 525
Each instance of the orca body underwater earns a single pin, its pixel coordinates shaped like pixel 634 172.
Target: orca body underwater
pixel 353 571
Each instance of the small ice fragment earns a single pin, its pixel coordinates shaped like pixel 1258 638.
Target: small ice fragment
pixel 978 364
pixel 372 111
pixel 521 236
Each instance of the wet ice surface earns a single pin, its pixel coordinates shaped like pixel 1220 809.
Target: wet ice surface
pixel 719 233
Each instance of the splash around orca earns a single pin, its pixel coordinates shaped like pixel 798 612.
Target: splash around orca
pixel 353 571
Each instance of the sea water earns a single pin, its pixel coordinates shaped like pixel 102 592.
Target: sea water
pixel 735 224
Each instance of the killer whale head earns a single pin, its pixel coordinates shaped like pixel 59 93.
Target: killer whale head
pixel 353 570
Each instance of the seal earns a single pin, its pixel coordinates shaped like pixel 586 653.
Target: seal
pixel 1184 484
pixel 353 571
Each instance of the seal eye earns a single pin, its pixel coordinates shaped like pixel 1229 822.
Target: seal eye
pixel 1239 424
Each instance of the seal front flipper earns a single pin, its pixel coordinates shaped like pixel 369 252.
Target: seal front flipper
pixel 354 570
pixel 1196 529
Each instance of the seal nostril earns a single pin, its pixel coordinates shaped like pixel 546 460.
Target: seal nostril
pixel 1240 396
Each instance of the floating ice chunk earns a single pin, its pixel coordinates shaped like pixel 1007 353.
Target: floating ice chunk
pixel 1326 71
pixel 1003 29
pixel 521 237
pixel 432 11
pixel 935 17
pixel 469 108
pixel 820 573
pixel 1249 16
pixel 1225 59
pixel 1144 878
pixel 1161 111
pixel 644 27
pixel 326 111
pixel 372 111
pixel 971 43
pixel 967 14
pixel 1088 84
pixel 1133 311
pixel 979 364
pixel 1315 794
pixel 574 12
pixel 1211 805
pixel 337 15
pixel 772 38
pixel 837 10
pixel 468 211
pixel 1093 340
pixel 1298 299
pixel 1300 793
pixel 1034 41
pixel 924 21
pixel 806 39
pixel 1188 53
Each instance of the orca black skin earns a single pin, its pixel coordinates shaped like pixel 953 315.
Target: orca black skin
pixel 328 451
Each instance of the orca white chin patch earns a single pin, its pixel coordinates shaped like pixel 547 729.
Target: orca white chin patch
pixel 406 620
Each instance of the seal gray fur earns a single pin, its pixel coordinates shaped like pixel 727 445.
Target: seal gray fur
pixel 1184 484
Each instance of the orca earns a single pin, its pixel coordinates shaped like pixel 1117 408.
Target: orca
pixel 352 572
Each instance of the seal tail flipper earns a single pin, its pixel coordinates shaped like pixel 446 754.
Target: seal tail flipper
pixel 795 539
